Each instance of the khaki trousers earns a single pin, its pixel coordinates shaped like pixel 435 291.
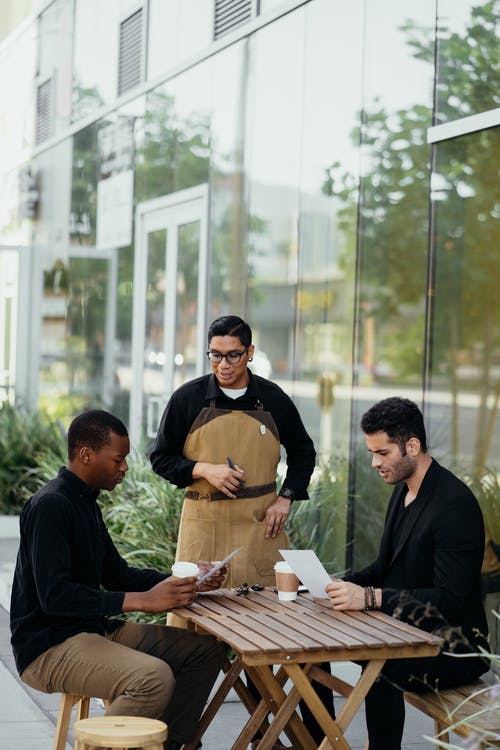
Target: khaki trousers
pixel 143 670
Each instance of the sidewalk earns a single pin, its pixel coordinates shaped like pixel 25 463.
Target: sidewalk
pixel 28 718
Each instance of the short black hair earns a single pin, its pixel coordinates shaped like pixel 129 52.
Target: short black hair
pixel 231 325
pixel 400 418
pixel 93 428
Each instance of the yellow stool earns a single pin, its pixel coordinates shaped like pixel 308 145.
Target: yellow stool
pixel 119 732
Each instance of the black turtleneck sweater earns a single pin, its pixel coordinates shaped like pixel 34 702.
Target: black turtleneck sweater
pixel 69 576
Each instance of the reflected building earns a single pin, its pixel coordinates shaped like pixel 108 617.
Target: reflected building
pixel 329 172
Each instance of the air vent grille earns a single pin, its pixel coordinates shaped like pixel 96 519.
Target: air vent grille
pixel 130 61
pixel 231 13
pixel 45 110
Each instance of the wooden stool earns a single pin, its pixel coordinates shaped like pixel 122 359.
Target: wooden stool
pixel 68 701
pixel 64 716
pixel 119 732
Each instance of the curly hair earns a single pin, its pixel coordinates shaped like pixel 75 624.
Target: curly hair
pixel 93 428
pixel 400 418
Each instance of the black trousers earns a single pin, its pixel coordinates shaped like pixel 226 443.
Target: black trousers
pixel 384 703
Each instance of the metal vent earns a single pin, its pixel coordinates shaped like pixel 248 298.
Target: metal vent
pixel 130 62
pixel 45 110
pixel 231 13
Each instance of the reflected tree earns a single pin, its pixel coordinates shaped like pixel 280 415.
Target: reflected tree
pixel 172 152
pixel 389 208
pixel 392 200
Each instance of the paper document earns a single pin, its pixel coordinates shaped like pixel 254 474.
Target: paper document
pixel 309 570
pixel 218 566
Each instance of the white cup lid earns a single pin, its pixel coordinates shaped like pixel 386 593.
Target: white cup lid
pixel 185 569
pixel 282 567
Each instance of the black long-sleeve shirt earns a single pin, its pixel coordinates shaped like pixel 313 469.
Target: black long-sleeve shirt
pixel 186 403
pixel 69 577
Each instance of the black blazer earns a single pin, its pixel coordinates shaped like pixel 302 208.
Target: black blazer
pixel 437 560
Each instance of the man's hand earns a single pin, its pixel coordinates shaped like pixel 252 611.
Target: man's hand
pixel 344 595
pixel 220 476
pixel 276 515
pixel 216 580
pixel 168 594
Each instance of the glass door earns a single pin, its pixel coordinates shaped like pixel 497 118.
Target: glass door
pixel 169 303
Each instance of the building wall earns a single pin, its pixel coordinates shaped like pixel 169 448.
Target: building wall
pixel 363 256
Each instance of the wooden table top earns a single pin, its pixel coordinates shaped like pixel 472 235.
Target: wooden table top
pixel 264 630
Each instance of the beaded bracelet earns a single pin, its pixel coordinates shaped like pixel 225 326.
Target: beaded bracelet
pixel 370 599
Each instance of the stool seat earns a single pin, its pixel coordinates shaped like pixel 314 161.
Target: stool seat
pixel 119 732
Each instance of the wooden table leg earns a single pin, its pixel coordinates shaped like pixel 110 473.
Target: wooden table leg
pixel 334 737
pixel 232 676
pixel 334 729
pixel 282 706
pixel 356 698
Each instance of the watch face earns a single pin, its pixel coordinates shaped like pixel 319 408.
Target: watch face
pixel 289 494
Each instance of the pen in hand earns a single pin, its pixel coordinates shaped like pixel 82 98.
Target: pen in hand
pixel 232 466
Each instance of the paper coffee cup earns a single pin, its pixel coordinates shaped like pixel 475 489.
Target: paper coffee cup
pixel 287 582
pixel 185 569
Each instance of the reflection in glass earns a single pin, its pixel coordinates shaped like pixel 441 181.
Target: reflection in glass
pixel 327 242
pixel 83 212
pixel 177 30
pixel 465 363
pixel 392 236
pixel 95 56
pixel 468 62
pixel 173 145
pixel 55 61
pixel 77 340
pixel 187 302
pixel 154 340
pixel 228 206
pixel 274 121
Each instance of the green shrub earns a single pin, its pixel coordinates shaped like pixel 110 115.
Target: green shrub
pixel 486 487
pixel 24 438
pixel 319 523
pixel 143 516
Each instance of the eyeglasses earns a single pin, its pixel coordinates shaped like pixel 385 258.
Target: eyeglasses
pixel 232 358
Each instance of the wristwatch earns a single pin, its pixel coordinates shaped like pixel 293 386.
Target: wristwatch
pixel 289 494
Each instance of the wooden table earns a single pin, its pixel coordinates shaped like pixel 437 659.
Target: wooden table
pixel 297 636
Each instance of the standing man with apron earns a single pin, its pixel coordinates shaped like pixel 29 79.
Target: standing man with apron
pixel 233 416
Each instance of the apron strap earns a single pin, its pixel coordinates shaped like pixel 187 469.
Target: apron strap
pixel 255 491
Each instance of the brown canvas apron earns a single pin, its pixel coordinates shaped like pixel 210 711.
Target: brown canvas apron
pixel 210 527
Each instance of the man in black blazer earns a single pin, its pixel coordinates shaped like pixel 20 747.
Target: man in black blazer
pixel 428 571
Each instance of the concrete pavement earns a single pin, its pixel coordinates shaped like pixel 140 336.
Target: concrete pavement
pixel 28 717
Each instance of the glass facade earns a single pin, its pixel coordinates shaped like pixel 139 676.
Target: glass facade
pixel 364 257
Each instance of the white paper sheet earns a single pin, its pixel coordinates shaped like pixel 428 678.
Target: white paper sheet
pixel 309 570
pixel 218 566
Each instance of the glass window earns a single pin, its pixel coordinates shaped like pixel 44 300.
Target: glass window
pixel 96 53
pixel 17 73
pixel 463 398
pixel 174 140
pixel 468 61
pixel 177 30
pixel 54 66
pixel 274 122
pixel 392 234
pixel 228 205
pixel 327 241
pixel 327 258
